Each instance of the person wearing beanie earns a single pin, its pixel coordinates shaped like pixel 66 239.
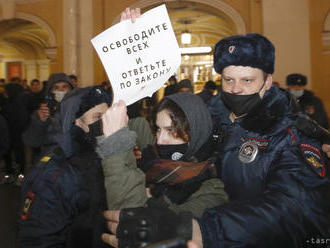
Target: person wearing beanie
pixel 310 104
pixel 45 121
pixel 63 196
pixel 275 176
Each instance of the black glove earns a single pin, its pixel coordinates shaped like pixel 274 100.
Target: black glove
pixel 139 227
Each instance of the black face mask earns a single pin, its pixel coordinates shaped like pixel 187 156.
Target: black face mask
pixel 95 129
pixel 241 104
pixel 172 152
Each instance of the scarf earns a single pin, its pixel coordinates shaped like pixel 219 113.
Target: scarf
pixel 174 181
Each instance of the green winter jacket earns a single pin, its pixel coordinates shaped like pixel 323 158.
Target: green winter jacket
pixel 125 183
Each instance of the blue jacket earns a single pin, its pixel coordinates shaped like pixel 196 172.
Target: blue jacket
pixel 62 202
pixel 276 180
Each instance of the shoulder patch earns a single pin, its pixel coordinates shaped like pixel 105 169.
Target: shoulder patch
pixel 313 157
pixel 45 159
pixel 27 205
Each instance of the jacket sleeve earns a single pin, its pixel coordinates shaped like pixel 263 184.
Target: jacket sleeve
pixel 49 207
pixel 292 205
pixel 124 182
pixel 36 131
pixel 209 195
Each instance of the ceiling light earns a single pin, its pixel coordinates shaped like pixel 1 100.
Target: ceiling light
pixel 186 57
pixel 195 50
pixel 186 38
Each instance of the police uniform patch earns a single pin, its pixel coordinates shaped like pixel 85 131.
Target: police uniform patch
pixel 248 152
pixel 28 200
pixel 261 143
pixel 313 157
pixel 45 159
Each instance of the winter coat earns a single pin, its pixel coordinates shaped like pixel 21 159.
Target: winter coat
pixel 126 184
pixel 276 179
pixel 312 106
pixel 63 202
pixel 63 196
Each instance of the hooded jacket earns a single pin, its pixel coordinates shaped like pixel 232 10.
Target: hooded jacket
pixel 42 134
pixel 63 196
pixel 276 180
pixel 125 183
pixel 199 119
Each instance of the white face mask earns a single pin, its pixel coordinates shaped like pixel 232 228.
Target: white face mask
pixel 59 95
pixel 297 93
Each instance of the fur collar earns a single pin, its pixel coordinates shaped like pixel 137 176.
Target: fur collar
pixel 269 116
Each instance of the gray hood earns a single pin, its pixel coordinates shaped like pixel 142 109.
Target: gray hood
pixel 199 119
pixel 57 77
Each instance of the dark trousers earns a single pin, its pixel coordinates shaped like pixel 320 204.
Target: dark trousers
pixel 15 151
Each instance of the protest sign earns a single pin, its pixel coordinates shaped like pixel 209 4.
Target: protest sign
pixel 139 57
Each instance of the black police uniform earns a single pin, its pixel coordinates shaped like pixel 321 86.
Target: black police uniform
pixel 63 197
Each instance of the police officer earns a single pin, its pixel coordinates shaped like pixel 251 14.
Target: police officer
pixel 63 196
pixel 275 176
pixel 309 103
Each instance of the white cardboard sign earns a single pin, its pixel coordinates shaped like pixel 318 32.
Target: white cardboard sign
pixel 139 57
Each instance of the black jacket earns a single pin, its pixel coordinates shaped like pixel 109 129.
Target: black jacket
pixel 62 202
pixel 276 180
pixel 4 137
pixel 313 107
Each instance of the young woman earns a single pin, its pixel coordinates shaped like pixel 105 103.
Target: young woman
pixel 177 172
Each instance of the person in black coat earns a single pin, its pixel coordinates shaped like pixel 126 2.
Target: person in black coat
pixel 4 137
pixel 309 103
pixel 63 196
pixel 208 91
pixel 16 113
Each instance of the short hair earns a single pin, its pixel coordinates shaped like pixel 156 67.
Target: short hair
pixel 72 76
pixel 35 81
pixel 210 85
pixel 179 120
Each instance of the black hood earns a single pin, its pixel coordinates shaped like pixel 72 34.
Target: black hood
pixel 199 119
pixel 77 102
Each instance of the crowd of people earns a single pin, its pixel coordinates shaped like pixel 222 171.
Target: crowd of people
pixel 232 169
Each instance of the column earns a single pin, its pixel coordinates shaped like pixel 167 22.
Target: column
pixel 43 69
pixel 30 69
pixel 85 48
pixel 286 24
pixel 70 36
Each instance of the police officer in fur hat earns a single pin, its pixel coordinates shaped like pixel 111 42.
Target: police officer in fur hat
pixel 275 176
pixel 63 196
pixel 309 103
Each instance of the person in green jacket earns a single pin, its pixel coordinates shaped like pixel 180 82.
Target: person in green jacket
pixel 177 172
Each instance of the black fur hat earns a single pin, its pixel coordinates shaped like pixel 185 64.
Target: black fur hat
pixel 252 50
pixel 296 79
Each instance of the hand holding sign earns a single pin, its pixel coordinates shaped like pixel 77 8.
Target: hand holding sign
pixel 130 14
pixel 115 118
pixel 139 57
